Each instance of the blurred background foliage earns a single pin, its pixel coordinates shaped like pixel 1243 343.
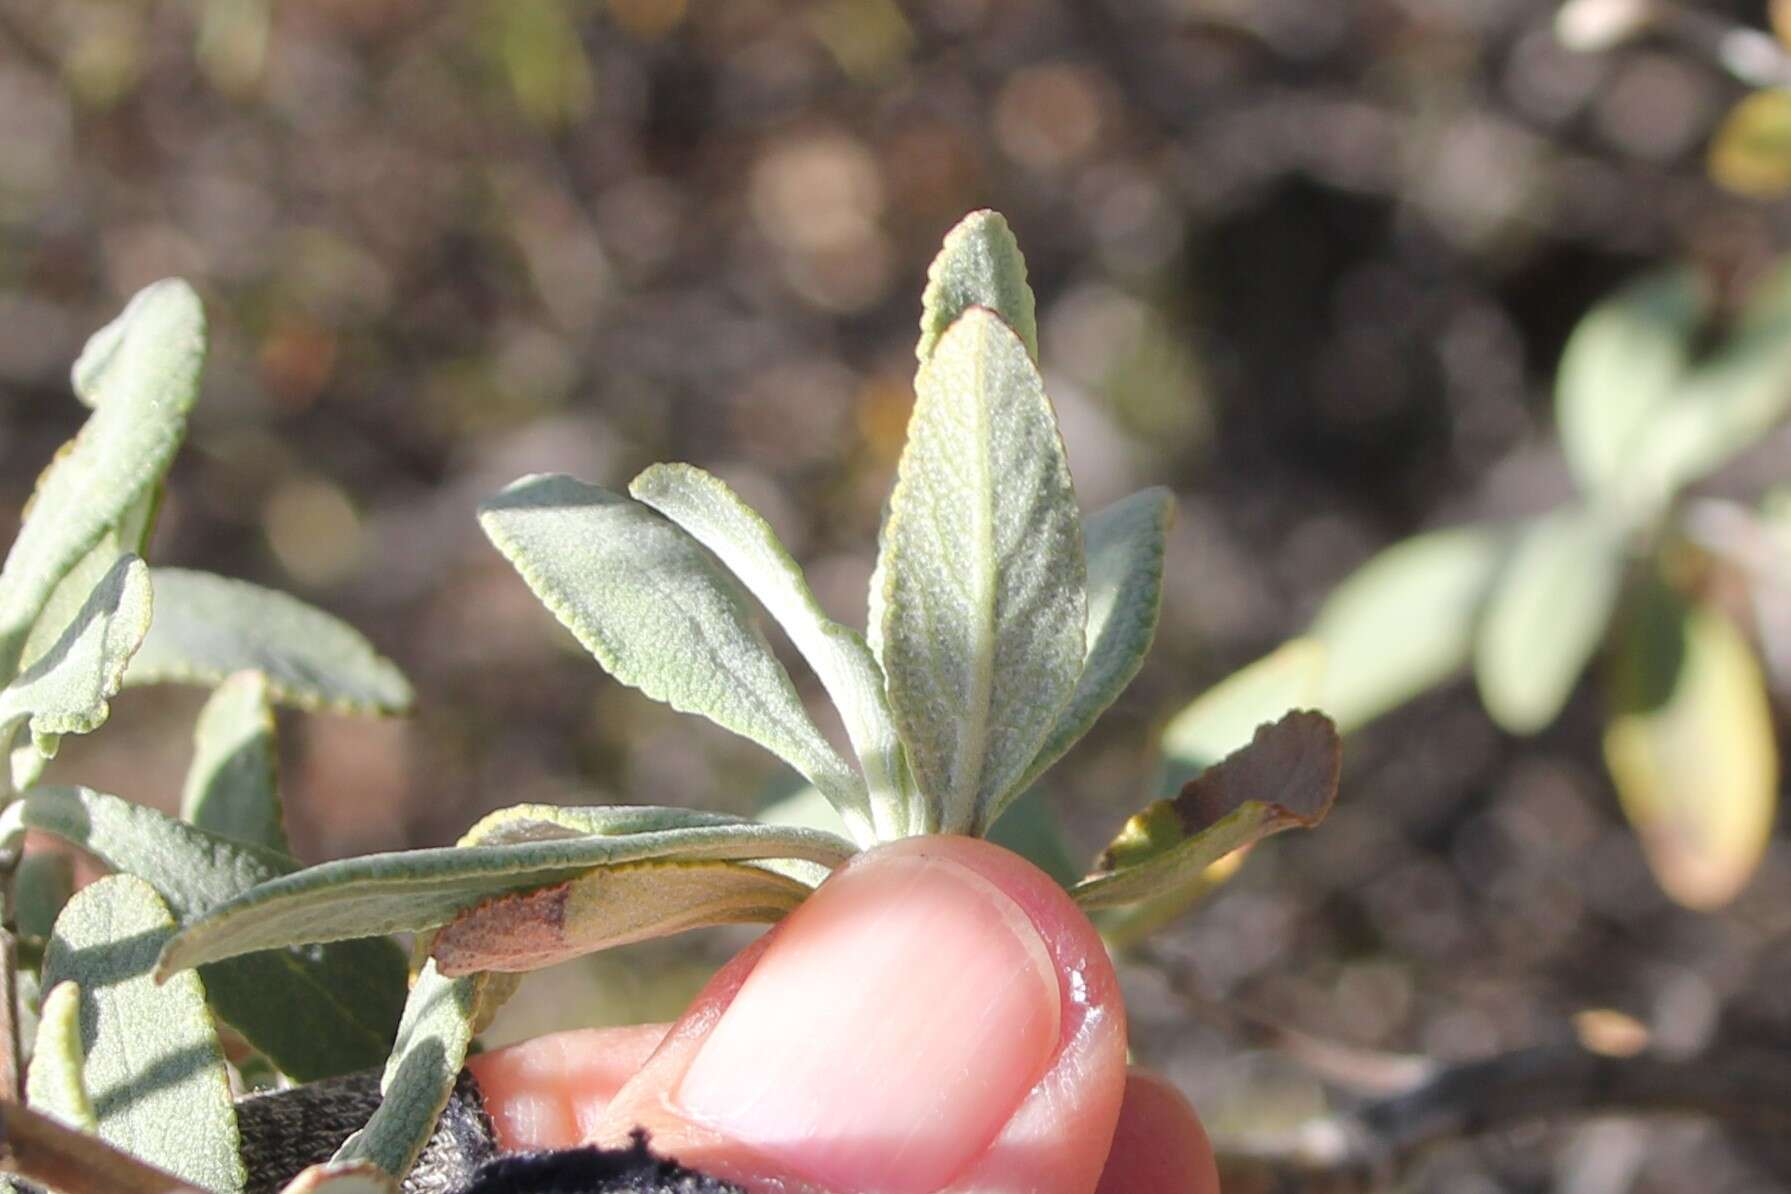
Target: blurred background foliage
pixel 1313 263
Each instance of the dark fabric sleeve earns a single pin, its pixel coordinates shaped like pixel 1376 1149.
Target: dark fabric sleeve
pixel 285 1131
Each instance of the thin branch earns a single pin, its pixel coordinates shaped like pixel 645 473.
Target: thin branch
pixel 36 1147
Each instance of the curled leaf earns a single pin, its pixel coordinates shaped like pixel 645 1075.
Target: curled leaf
pixel 1285 779
pixel 424 889
pixel 612 906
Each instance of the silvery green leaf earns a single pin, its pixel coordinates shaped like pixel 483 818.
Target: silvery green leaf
pixel 315 1012
pixel 423 889
pixel 1545 616
pixel 978 266
pixel 332 1178
pixel 141 395
pixel 1286 778
pixel 607 907
pixel 67 689
pixel 1404 621
pixel 661 615
pixel 1225 717
pixel 1124 549
pixel 1625 361
pixel 716 517
pixel 56 1083
pixel 154 1070
pixel 983 605
pixel 40 887
pixel 232 786
pixel 438 1026
pixel 210 627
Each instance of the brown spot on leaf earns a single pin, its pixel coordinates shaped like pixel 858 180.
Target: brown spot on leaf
pixel 517 924
pixel 1291 765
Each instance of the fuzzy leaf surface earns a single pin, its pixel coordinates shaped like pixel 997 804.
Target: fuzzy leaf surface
pixel 68 689
pixel 154 1070
pixel 56 1083
pixel 984 610
pixel 611 906
pixel 141 393
pixel 1545 616
pixel 207 628
pixel 438 1027
pixel 715 517
pixel 424 889
pixel 1285 779
pixel 1691 748
pixel 979 265
pixel 660 614
pixel 1124 546
pixel 1404 621
pixel 232 786
pixel 315 1012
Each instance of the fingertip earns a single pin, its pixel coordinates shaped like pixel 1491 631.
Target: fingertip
pixel 972 1028
pixel 1159 1145
pixel 551 1092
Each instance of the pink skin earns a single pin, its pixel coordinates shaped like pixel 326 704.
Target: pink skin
pixel 938 1019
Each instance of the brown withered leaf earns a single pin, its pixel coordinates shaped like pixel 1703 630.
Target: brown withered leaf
pixel 1286 778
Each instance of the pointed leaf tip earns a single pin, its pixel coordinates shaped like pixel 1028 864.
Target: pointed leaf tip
pixel 979 265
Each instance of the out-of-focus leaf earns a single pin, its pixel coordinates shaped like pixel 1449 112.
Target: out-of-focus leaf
pixel 1404 621
pixel 1546 616
pixel 985 609
pixel 661 615
pixel 1226 716
pixel 231 786
pixel 208 628
pixel 315 1012
pixel 40 887
pixel 423 889
pixel 141 380
pixel 978 266
pixel 1690 747
pixel 439 1023
pixel 57 1085
pixel 154 1071
pixel 333 1178
pixel 716 518
pixel 1751 151
pixel 1625 361
pixel 611 906
pixel 68 689
pixel 1285 779
pixel 1124 546
pixel 1732 399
